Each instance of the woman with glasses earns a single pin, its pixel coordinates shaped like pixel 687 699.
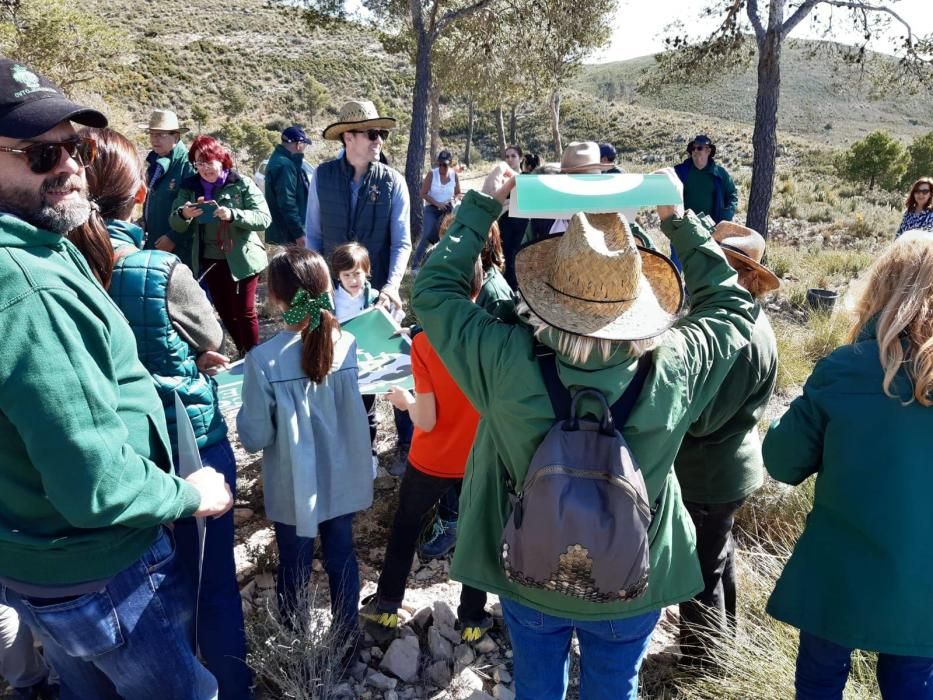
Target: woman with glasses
pixel 919 214
pixel 225 213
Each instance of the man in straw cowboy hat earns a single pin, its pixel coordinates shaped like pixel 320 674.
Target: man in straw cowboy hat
pixel 357 198
pixel 600 303
pixel 166 166
pixel 719 464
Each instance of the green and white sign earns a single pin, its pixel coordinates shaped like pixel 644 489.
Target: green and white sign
pixel 384 358
pixel 562 196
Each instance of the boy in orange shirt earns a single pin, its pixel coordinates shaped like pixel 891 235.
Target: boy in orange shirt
pixel 445 426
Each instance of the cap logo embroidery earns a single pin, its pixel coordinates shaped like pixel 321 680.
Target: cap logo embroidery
pixel 30 80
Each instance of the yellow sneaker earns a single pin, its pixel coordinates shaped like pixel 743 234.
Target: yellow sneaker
pixel 370 612
pixel 472 631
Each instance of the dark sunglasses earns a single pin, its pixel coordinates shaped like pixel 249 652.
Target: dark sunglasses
pixel 922 190
pixel 44 156
pixel 373 134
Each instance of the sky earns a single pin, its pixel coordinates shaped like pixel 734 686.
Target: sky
pixel 640 25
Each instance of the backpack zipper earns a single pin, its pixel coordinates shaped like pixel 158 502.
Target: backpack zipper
pixel 614 479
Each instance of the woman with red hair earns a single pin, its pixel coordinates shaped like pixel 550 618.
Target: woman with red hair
pixel 225 213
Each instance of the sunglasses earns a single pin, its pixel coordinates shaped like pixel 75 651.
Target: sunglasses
pixel 922 190
pixel 701 148
pixel 44 156
pixel 373 134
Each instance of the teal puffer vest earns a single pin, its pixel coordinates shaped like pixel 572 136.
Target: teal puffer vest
pixel 138 286
pixel 369 223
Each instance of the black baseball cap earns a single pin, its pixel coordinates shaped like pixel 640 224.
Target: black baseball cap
pixel 295 134
pixel 31 105
pixel 444 156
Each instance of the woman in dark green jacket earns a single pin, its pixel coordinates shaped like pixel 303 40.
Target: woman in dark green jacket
pixel 227 249
pixel 859 576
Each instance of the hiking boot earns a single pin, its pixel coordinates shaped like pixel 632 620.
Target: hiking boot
pixel 442 540
pixel 399 467
pixel 474 630
pixel 380 621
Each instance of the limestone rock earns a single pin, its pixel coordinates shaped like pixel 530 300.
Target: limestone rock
pixel 440 648
pixel 463 657
pixel 486 645
pixel 402 659
pixel 381 681
pixel 502 675
pixel 502 692
pixel 438 674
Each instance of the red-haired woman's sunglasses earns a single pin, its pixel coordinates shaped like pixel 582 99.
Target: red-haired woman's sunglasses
pixel 44 156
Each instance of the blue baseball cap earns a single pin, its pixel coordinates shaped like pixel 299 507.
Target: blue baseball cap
pixel 607 150
pixel 295 134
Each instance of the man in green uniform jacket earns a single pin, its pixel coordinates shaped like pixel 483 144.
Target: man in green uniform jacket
pixel 719 464
pixel 494 364
pixel 286 187
pixel 166 166
pixel 85 477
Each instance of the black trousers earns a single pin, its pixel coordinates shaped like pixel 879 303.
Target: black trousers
pixel 418 495
pixel 711 614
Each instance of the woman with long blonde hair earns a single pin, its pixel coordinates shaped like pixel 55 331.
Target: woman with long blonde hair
pixel 859 576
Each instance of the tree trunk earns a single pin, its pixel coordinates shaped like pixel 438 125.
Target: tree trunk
pixel 554 104
pixel 469 138
pixel 500 130
pixel 513 126
pixel 417 135
pixel 435 121
pixel 764 137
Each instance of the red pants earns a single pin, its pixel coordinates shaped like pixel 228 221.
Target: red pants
pixel 235 302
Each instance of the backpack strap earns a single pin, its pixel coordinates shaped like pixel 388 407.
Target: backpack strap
pixel 622 408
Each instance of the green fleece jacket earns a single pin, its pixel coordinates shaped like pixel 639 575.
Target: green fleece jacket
pixel 494 364
pixel 84 482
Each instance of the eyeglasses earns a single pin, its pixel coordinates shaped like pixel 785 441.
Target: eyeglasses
pixel 701 148
pixel 922 190
pixel 202 164
pixel 373 134
pixel 44 156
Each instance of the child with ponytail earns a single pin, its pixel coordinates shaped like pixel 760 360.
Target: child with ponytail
pixel 302 408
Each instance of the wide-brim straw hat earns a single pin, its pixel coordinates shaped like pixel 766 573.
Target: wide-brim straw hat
pixel 357 114
pixel 747 247
pixel 582 157
pixel 163 120
pixel 594 280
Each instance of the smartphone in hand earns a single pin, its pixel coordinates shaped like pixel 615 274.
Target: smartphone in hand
pixel 207 211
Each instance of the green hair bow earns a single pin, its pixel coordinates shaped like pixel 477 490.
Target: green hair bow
pixel 304 306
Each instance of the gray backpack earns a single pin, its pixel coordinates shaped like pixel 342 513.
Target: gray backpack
pixel 579 525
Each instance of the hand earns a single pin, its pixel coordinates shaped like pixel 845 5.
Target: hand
pixel 666 211
pixel 389 297
pixel 165 243
pixel 505 183
pixel 211 362
pixel 402 399
pixel 216 498
pixel 190 211
pixel 223 213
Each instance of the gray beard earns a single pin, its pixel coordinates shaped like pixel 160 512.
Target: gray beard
pixel 63 218
pixel 31 207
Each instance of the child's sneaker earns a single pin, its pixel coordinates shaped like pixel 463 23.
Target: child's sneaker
pixel 442 540
pixel 474 630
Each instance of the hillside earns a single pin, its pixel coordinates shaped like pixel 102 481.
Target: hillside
pixel 821 99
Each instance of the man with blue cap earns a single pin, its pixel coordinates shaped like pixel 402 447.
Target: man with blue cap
pixel 287 189
pixel 708 187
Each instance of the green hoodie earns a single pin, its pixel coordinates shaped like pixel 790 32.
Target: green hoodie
pixel 494 364
pixel 83 482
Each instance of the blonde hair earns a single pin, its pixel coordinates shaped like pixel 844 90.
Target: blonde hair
pixel 899 291
pixel 578 348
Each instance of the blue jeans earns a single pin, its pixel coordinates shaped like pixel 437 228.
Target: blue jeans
pixel 221 638
pixel 131 639
pixel 343 575
pixel 611 652
pixel 430 223
pixel 823 669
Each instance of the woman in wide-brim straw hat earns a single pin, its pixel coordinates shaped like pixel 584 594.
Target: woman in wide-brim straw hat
pixel 599 302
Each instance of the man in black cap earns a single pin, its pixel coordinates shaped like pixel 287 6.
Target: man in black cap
pixel 708 187
pixel 85 476
pixel 287 189
pixel 607 156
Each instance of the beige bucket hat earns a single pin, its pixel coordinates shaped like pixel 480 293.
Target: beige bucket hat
pixel 163 120
pixel 582 157
pixel 357 114
pixel 747 247
pixel 594 280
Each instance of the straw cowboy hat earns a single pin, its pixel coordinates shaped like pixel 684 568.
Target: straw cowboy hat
pixel 582 157
pixel 745 246
pixel 357 114
pixel 163 120
pixel 593 280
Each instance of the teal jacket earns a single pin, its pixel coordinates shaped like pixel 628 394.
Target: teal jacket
pixel 720 458
pixel 168 313
pixel 494 364
pixel 860 573
pixel 247 254
pixel 286 187
pixel 85 453
pixel 164 177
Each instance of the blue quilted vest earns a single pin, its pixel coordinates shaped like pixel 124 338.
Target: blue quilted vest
pixel 139 286
pixel 368 224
